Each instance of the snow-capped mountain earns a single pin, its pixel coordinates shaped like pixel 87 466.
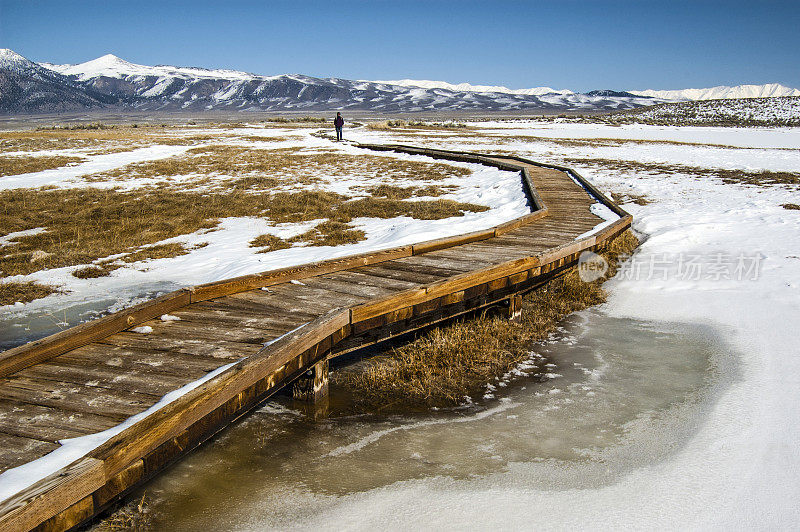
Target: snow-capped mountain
pixel 28 87
pixel 169 88
pixel 109 81
pixel 770 90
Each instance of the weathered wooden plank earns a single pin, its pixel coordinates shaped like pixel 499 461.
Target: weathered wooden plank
pixel 320 299
pixel 37 351
pixel 471 253
pixel 211 330
pixel 464 281
pixel 118 404
pixel 169 421
pixel 239 303
pixel 18 450
pixel 221 349
pixel 52 495
pixel 105 378
pixel 249 282
pixel 367 279
pixel 49 424
pixel 521 221
pixel 401 275
pixel 425 269
pixel 431 259
pixel 135 359
pixel 448 242
pixel 231 318
pixel 278 308
pixel 346 287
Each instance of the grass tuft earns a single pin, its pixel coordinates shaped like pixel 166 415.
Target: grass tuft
pixel 92 272
pixel 269 243
pixel 448 363
pixel 14 292
pixel 331 233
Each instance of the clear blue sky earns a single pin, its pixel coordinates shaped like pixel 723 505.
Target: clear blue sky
pixel 579 45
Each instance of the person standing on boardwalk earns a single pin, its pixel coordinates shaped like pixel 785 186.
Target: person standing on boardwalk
pixel 338 123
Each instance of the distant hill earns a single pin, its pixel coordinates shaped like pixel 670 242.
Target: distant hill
pixel 770 90
pixel 765 112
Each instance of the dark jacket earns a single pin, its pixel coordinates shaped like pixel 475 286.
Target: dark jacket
pixel 338 122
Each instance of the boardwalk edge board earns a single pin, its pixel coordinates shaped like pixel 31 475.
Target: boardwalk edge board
pixel 85 487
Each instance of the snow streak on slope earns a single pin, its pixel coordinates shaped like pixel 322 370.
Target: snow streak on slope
pixel 112 66
pixel 466 87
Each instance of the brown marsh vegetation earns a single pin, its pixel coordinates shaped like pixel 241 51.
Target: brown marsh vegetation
pixel 87 224
pixel 23 164
pixel 13 292
pixel 264 169
pixel 442 366
pixel 83 226
pixel 388 125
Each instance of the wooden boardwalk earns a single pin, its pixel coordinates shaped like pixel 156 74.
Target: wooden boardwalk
pixel 272 327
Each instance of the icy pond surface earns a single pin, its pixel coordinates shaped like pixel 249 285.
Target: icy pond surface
pixel 622 394
pixel 20 325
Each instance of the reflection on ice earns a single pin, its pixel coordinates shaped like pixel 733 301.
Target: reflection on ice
pixel 615 394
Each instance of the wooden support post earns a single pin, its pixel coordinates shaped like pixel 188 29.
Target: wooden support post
pixel 514 310
pixel 312 387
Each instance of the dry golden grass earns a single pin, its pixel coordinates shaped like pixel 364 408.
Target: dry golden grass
pixel 791 206
pixel 106 139
pixel 448 363
pixel 390 125
pixel 92 272
pixel 758 178
pixel 330 233
pixel 132 516
pixel 264 169
pixel 161 251
pixel 11 292
pixel 23 164
pixel 87 224
pixel 628 197
pixel 269 243
pixel 395 192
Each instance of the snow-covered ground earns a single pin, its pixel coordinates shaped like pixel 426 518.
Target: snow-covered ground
pixel 716 254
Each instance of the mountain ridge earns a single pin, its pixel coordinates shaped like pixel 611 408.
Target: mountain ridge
pixel 111 82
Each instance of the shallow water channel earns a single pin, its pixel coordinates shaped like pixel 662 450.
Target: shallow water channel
pixel 20 325
pixel 619 394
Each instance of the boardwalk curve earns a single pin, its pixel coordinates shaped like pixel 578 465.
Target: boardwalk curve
pixel 240 340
